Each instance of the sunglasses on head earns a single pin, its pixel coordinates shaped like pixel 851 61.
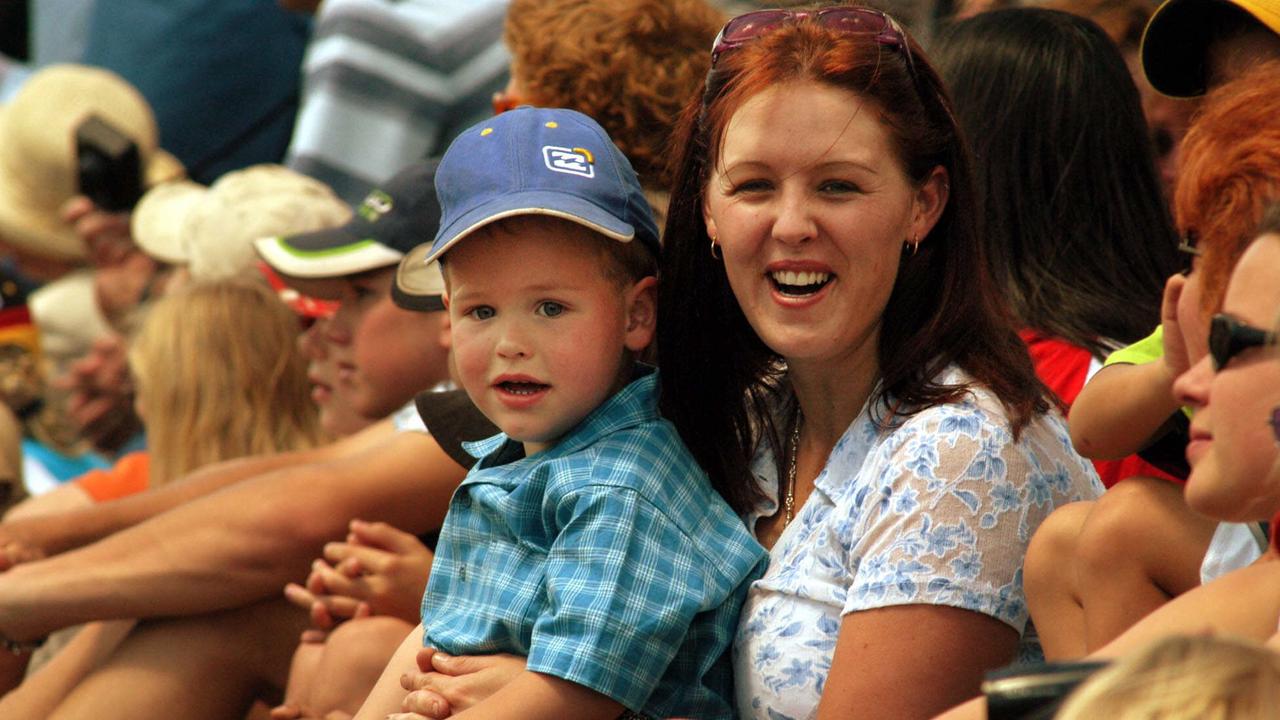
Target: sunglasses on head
pixel 1229 337
pixel 846 20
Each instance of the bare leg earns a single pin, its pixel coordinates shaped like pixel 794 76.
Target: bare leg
pixel 1051 583
pixel 354 657
pixel 199 667
pixel 1139 547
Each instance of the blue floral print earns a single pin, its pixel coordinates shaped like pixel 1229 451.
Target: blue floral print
pixel 938 511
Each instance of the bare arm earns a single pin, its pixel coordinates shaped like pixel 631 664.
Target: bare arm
pixel 911 661
pixel 1245 603
pixel 52 534
pixel 1120 410
pixel 234 546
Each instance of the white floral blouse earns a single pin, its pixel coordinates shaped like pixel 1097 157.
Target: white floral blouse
pixel 936 511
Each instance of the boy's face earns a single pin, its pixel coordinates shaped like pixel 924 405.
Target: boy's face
pixel 384 355
pixel 541 336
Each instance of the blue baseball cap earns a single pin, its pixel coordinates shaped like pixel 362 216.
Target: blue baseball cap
pixel 540 161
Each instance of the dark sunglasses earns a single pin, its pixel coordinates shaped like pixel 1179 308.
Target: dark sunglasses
pixel 1229 337
pixel 846 20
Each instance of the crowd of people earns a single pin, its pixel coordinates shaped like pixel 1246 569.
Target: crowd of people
pixel 640 359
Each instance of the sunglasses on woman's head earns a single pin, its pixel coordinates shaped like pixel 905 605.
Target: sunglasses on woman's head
pixel 845 20
pixel 1229 337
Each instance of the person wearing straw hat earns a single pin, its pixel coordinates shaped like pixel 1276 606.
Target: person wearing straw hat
pixel 38 161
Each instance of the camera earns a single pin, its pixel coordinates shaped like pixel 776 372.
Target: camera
pixel 108 166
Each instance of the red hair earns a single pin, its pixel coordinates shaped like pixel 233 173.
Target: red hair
pixel 1230 173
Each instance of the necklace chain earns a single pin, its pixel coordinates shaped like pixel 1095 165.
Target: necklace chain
pixel 789 501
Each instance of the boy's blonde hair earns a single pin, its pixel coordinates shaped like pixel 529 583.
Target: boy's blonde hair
pixel 1201 677
pixel 220 374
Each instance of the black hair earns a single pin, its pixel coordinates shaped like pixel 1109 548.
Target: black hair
pixel 1077 228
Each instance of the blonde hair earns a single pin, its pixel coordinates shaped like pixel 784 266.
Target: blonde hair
pixel 1201 677
pixel 220 374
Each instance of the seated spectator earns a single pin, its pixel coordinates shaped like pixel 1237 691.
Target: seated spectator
pixel 828 339
pixel 556 371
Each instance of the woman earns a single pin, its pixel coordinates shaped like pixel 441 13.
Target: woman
pixel 836 354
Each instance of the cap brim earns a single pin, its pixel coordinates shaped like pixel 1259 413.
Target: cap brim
pixel 419 285
pixel 1174 45
pixel 532 202
pixel 329 253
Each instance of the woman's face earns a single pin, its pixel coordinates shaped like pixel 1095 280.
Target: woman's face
pixel 1232 447
pixel 811 207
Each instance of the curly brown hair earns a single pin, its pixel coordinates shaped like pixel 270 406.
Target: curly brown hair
pixel 629 64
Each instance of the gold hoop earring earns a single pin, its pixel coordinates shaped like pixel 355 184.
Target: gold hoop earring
pixel 715 249
pixel 913 244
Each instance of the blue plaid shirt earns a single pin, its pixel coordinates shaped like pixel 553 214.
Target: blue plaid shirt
pixel 607 559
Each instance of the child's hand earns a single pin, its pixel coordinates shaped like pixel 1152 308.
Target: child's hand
pixel 379 565
pixel 445 684
pixel 1176 358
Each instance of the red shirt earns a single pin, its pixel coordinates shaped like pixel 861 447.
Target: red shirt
pixel 1064 368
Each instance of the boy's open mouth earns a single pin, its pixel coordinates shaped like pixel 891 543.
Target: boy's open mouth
pixel 799 284
pixel 521 387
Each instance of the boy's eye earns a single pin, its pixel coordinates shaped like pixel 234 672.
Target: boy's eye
pixel 483 312
pixel 550 308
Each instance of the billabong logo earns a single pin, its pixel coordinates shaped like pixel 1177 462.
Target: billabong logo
pixel 571 161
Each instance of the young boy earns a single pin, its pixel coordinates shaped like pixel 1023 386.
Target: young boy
pixel 586 538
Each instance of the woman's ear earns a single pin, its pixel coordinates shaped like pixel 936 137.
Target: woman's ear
pixel 709 221
pixel 642 314
pixel 931 200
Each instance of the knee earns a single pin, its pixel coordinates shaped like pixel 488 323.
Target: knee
pixel 366 643
pixel 1053 547
pixel 1125 521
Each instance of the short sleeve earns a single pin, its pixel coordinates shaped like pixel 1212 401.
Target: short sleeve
pixel 1146 350
pixel 623 587
pixel 950 507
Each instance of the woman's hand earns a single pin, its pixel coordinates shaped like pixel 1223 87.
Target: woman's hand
pixel 379 570
pixel 445 684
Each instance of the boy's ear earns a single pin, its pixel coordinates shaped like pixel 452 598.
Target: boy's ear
pixel 642 313
pixel 444 298
pixel 446 334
